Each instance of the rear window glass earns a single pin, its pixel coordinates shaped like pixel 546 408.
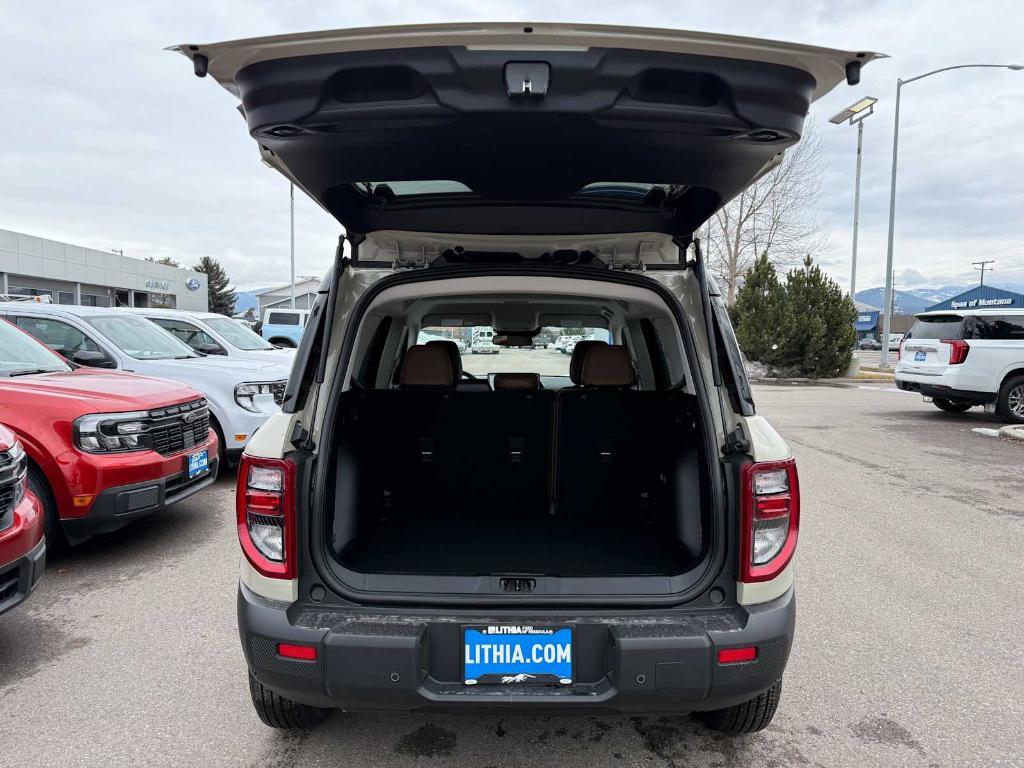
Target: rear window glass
pixel 937 327
pixel 548 356
pixel 996 327
pixel 428 187
pixel 283 318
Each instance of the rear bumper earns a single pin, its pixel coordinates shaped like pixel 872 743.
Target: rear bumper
pixel 19 577
pixel 946 392
pixel 654 662
pixel 116 507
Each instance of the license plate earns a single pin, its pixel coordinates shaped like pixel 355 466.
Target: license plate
pixel 512 654
pixel 920 357
pixel 198 463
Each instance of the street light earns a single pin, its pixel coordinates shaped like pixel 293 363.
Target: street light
pixel 856 113
pixel 892 189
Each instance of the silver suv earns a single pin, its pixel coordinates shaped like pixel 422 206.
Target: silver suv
pixel 608 531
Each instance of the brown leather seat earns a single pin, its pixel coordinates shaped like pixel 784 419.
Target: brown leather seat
pixel 579 354
pixel 516 381
pixel 452 350
pixel 426 365
pixel 607 367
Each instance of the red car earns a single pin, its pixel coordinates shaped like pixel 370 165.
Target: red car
pixel 103 448
pixel 22 549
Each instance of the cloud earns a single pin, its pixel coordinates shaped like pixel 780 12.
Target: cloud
pixel 111 142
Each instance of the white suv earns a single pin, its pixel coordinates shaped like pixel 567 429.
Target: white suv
pixel 618 537
pixel 241 394
pixel 963 358
pixel 212 334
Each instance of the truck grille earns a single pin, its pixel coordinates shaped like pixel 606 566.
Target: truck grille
pixel 179 427
pixel 12 474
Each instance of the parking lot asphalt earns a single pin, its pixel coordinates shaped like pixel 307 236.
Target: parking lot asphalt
pixel 908 647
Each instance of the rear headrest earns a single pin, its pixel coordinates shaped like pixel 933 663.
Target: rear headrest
pixel 516 381
pixel 452 350
pixel 606 366
pixel 426 365
pixel 579 354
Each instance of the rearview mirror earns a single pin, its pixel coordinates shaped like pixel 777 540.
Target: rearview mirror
pixel 514 339
pixel 92 359
pixel 212 349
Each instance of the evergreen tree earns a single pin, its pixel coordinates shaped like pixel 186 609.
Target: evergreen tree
pixel 759 315
pixel 167 261
pixel 221 297
pixel 820 336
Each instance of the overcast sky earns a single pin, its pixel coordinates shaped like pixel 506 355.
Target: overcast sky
pixel 109 141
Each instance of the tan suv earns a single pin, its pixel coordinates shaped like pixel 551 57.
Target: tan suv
pixel 610 531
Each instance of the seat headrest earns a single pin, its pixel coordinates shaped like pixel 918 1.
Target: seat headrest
pixel 579 354
pixel 452 350
pixel 516 381
pixel 607 367
pixel 426 366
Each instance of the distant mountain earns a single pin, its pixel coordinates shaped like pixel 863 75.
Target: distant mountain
pixel 919 299
pixel 245 300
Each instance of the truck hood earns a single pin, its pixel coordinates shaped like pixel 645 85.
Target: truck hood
pixel 98 391
pixel 522 128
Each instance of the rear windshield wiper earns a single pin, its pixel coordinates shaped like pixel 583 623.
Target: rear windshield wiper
pixel 32 371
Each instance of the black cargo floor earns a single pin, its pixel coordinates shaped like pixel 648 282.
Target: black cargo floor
pixel 549 547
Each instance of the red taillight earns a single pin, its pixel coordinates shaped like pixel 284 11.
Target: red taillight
pixel 958 350
pixel 737 655
pixel 300 652
pixel 769 519
pixel 265 506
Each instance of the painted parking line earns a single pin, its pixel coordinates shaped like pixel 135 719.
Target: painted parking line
pixel 883 389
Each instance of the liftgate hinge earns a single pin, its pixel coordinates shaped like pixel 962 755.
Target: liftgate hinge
pixel 736 442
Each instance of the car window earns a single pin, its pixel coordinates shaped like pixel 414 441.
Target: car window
pixel 238 334
pixel 937 327
pixel 59 336
pixel 284 318
pixel 140 338
pixel 548 356
pixel 20 352
pixel 997 327
pixel 191 334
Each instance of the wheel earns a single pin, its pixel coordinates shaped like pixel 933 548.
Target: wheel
pixel 748 717
pixel 279 712
pixel 52 530
pixel 222 449
pixel 951 406
pixel 1011 399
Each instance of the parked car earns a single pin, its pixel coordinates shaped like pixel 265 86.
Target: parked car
pixel 212 334
pixel 543 341
pixel 22 546
pixel 433 548
pixel 566 344
pixel 962 358
pixel 284 327
pixel 240 394
pixel 103 448
pixel 869 342
pixel 482 342
pixel 895 340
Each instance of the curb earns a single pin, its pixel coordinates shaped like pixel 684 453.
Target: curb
pixel 1013 432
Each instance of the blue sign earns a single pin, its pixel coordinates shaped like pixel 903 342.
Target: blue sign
pixel 193 283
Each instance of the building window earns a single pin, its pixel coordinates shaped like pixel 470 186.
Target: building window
pixel 16 290
pixel 65 297
pixel 160 300
pixel 93 300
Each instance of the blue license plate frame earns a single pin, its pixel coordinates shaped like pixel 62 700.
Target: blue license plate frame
pixel 502 665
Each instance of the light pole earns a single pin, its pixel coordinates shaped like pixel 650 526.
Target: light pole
pixel 291 201
pixel 856 113
pixel 892 189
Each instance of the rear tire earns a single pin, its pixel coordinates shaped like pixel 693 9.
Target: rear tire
pixel 748 717
pixel 951 406
pixel 1011 400
pixel 279 712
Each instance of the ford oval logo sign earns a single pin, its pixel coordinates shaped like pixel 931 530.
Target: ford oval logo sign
pixel 193 283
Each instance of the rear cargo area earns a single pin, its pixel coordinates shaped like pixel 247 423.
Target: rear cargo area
pixel 568 483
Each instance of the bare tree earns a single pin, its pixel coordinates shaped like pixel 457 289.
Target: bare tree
pixel 773 215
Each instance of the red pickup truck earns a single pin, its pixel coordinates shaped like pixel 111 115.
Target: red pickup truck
pixel 103 448
pixel 22 549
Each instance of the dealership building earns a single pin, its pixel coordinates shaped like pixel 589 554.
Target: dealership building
pixel 72 274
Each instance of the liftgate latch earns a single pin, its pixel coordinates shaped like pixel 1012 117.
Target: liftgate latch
pixel 527 78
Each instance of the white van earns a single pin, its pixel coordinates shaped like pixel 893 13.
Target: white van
pixel 482 342
pixel 962 358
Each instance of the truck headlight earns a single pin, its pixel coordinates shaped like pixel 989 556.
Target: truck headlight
pixel 17 457
pixel 112 432
pixel 246 394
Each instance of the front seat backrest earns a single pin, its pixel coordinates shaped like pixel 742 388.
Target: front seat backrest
pixel 608 367
pixel 579 354
pixel 452 350
pixel 426 366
